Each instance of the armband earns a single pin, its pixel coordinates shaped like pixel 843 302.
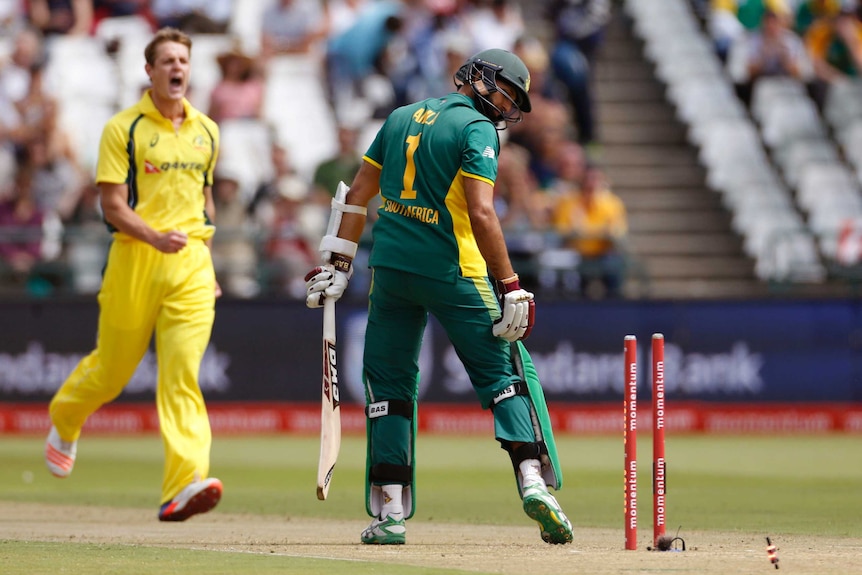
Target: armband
pixel 348 208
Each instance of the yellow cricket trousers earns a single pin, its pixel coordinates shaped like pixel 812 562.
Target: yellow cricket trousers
pixel 145 290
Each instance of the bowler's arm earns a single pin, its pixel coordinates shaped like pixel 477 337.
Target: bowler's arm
pixel 209 207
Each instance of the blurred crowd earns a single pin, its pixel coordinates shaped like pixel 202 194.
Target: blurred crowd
pixel 818 42
pixel 278 172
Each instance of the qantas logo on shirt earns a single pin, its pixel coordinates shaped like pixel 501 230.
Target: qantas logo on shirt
pixel 150 168
pixel 488 152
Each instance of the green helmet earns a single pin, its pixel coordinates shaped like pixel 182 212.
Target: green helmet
pixel 496 63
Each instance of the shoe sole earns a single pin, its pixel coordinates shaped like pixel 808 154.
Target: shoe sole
pixel 386 537
pixel 59 464
pixel 394 540
pixel 554 529
pixel 199 503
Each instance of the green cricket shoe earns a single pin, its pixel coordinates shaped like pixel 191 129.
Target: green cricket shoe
pixel 542 507
pixel 385 531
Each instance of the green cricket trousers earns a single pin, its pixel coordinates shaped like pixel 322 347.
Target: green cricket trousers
pixel 399 304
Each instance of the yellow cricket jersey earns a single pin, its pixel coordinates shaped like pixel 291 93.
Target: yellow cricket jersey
pixel 166 169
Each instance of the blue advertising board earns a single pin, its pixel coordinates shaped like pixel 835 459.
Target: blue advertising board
pixel 729 351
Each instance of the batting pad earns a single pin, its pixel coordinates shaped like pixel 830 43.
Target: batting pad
pixel 374 493
pixel 552 472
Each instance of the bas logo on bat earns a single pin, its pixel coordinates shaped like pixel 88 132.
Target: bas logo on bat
pixel 330 382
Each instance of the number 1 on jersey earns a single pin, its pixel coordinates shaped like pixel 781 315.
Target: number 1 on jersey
pixel 408 193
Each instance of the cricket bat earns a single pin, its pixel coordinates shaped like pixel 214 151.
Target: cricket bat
pixel 330 412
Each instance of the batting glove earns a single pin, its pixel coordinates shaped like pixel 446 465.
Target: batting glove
pixel 325 282
pixel 518 312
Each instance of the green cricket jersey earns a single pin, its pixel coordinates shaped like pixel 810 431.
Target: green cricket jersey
pixel 424 151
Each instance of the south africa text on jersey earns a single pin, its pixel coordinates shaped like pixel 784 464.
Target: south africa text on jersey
pixel 423 214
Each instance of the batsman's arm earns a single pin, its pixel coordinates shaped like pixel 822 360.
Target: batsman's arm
pixel 338 246
pixel 518 310
pixel 365 185
pixel 486 227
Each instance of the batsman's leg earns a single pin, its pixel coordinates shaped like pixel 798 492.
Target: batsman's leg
pixel 392 341
pixel 529 456
pixel 466 313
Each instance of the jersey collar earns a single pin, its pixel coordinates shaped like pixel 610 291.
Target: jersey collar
pixel 149 108
pixel 461 98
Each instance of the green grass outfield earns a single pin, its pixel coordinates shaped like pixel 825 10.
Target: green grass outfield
pixel 793 485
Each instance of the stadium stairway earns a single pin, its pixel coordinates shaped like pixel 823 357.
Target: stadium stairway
pixel 681 241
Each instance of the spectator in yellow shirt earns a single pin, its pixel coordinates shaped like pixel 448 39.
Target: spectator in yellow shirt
pixel 591 220
pixel 834 44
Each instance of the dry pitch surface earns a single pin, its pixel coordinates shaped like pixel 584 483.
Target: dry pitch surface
pixel 486 549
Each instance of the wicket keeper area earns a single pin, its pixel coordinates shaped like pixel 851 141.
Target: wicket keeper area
pixel 726 494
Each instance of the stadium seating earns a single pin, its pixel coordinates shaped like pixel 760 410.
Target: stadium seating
pixel 755 158
pixel 80 69
pixel 850 141
pixel 799 154
pixel 205 69
pixel 115 29
pixel 786 121
pixel 246 155
pixel 246 24
pixel 295 104
pixel 843 104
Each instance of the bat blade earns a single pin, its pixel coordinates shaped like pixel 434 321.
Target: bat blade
pixel 330 411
